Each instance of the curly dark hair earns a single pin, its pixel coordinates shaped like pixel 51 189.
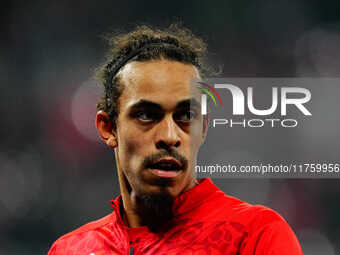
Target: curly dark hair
pixel 143 44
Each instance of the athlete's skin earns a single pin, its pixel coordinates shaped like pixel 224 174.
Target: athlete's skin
pixel 153 117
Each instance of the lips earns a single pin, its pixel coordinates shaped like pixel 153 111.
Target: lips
pixel 166 168
pixel 167 165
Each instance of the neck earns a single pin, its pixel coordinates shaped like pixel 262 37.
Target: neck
pixel 154 211
pixel 128 212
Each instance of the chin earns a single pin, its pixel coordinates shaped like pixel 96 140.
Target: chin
pixel 170 186
pixel 166 190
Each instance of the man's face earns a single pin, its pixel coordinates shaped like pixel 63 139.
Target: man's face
pixel 159 127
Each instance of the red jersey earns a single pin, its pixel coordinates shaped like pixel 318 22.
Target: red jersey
pixel 206 222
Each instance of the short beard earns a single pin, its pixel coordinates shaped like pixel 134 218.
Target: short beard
pixel 155 211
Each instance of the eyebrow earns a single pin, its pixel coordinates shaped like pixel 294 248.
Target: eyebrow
pixel 186 103
pixel 146 104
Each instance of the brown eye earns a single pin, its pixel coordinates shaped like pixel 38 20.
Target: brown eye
pixel 144 116
pixel 147 116
pixel 186 116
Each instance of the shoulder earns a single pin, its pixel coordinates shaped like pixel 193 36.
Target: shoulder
pixel 265 230
pixel 251 215
pixel 232 208
pixel 85 233
pixel 269 233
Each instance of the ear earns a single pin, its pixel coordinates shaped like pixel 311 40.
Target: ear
pixel 205 126
pixel 105 129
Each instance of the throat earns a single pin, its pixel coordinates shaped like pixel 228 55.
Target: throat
pixel 154 211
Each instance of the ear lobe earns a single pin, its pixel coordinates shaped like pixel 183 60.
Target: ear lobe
pixel 105 129
pixel 112 142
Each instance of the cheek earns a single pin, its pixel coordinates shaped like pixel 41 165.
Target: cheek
pixel 130 146
pixel 196 137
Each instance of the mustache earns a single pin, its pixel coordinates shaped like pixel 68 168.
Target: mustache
pixel 152 159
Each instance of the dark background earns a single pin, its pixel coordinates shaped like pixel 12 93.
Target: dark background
pixel 56 175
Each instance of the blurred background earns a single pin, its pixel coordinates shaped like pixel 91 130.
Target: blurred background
pixel 56 175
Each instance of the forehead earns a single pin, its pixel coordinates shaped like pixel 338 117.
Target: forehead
pixel 162 81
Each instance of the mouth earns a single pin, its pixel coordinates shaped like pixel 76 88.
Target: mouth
pixel 166 168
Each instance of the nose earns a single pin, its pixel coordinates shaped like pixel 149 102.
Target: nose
pixel 167 134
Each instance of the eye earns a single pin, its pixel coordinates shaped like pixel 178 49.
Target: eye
pixel 143 116
pixel 147 116
pixel 186 116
